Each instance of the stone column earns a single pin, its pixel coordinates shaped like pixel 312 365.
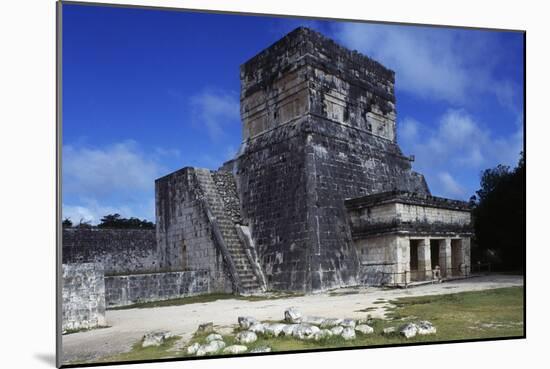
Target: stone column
pixel 403 274
pixel 424 259
pixel 466 255
pixel 445 257
pixel 457 260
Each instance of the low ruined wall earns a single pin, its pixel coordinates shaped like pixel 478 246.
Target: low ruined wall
pixel 131 289
pixel 118 250
pixel 83 294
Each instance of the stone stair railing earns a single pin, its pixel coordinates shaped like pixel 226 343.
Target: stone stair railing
pixel 225 233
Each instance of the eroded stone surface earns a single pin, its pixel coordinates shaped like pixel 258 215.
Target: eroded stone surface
pixel 210 348
pixel 348 334
pixel 258 328
pixel 235 349
pixel 348 323
pixel 364 328
pixel 409 330
pixel 192 349
pixel 425 327
pixel 305 331
pixel 83 294
pixel 288 329
pixel 322 334
pixel 319 131
pixel 293 315
pixel 274 329
pixel 246 321
pixel 155 338
pixel 329 130
pixel 214 337
pixel 246 337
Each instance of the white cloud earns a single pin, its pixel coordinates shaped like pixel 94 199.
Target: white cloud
pixel 456 149
pixel 116 178
pixel 77 214
pixel 91 211
pixel 432 64
pixel 450 186
pixel 101 170
pixel 458 140
pixel 424 61
pixel 215 110
pixel 408 129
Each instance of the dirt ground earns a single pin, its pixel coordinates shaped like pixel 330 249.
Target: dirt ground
pixel 128 326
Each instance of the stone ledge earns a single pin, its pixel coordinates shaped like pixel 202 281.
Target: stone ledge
pixel 404 197
pixel 411 228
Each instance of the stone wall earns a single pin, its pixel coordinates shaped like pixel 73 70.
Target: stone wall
pixel 83 293
pixel 417 213
pixel 398 212
pixel 305 72
pixel 319 127
pixel 407 207
pixel 387 213
pixel 273 191
pixel 378 250
pixel 131 289
pixel 184 234
pixel 373 274
pixel 118 250
pixel 379 260
pixel 389 256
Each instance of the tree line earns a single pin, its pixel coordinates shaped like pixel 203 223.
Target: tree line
pixel 498 214
pixel 114 221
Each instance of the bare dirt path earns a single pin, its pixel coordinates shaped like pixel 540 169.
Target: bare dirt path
pixel 129 326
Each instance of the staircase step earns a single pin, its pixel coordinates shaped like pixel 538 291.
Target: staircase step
pixel 219 191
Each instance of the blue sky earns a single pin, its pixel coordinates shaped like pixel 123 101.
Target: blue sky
pixel 146 92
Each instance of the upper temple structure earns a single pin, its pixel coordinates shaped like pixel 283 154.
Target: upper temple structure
pixel 319 195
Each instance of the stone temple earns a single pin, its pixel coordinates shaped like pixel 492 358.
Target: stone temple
pixel 319 195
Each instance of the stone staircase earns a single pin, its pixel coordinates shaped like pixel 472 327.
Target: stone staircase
pixel 222 204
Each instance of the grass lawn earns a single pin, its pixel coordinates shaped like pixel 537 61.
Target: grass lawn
pixel 467 315
pixel 141 353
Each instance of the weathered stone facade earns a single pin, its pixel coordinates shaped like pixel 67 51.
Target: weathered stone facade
pixel 87 291
pixel 319 127
pixel 83 294
pixel 319 195
pixel 132 289
pixel 117 250
pixel 403 237
pixel 198 227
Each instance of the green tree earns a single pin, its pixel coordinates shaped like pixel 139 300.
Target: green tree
pixel 116 221
pixel 67 223
pixel 499 216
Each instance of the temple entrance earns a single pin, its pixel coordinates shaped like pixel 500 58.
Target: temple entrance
pixel 413 259
pixel 434 253
pixel 456 257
